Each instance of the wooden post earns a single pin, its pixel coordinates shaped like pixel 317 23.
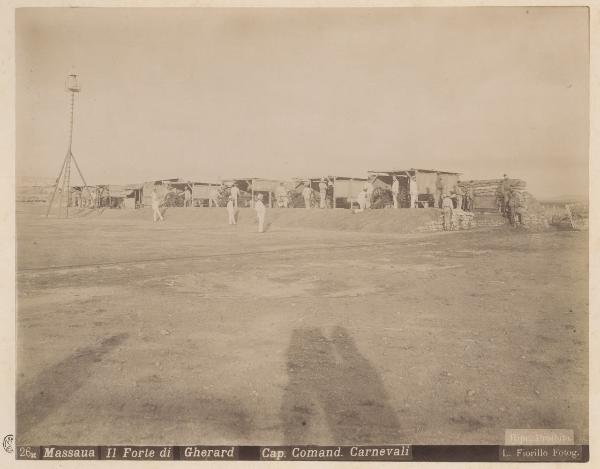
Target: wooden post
pixel 252 201
pixel 270 200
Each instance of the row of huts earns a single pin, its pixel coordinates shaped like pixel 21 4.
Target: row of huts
pixel 342 190
pixel 342 194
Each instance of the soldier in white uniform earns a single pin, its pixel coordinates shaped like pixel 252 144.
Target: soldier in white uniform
pixel 260 212
pixel 439 191
pixel 306 193
pixel 414 192
pixel 235 193
pixel 361 198
pixel 231 210
pixel 447 208
pixel 395 191
pixel 187 197
pixel 322 193
pixel 156 200
pixel 458 192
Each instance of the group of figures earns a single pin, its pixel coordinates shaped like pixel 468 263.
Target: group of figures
pixel 367 196
pixel 85 198
pixel 283 198
pixel 259 208
pixel 461 195
pixel 458 198
pixel 94 197
pixel 325 194
pixel 322 196
pixel 217 195
pixel 450 204
pixel 158 202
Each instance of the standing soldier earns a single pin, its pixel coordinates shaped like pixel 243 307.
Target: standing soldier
pixel 330 192
pixel 156 200
pixel 469 198
pixel 235 193
pixel 506 199
pixel 414 192
pixel 231 210
pixel 459 195
pixel 361 198
pixel 306 193
pixel 447 207
pixel 260 212
pixel 322 193
pixel 516 207
pixel 187 197
pixel 395 190
pixel 439 190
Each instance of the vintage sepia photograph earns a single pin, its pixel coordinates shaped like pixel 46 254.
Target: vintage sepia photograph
pixel 302 226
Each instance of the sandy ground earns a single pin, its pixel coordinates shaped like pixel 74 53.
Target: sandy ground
pixel 183 332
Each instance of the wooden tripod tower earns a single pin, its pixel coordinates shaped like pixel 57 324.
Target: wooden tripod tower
pixel 64 176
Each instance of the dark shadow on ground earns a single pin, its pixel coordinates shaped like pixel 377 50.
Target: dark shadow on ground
pixel 347 390
pixel 54 386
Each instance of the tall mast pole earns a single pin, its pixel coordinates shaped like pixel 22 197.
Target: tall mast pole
pixel 71 124
pixel 73 87
pixel 70 156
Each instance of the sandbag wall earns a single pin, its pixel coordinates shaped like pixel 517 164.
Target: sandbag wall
pixel 487 193
pixel 487 197
pixel 461 220
pixel 534 215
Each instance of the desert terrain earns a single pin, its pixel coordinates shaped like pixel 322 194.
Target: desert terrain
pixel 191 331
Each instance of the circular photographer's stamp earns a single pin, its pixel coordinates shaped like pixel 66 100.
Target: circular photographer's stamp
pixel 7 443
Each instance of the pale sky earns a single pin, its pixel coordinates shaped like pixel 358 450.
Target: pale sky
pixel 205 94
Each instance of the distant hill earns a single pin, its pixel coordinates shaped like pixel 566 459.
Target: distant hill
pixel 34 181
pixel 564 199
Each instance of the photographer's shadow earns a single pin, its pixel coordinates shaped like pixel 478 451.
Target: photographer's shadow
pixel 330 377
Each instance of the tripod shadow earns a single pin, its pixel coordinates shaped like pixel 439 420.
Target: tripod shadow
pixel 54 386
